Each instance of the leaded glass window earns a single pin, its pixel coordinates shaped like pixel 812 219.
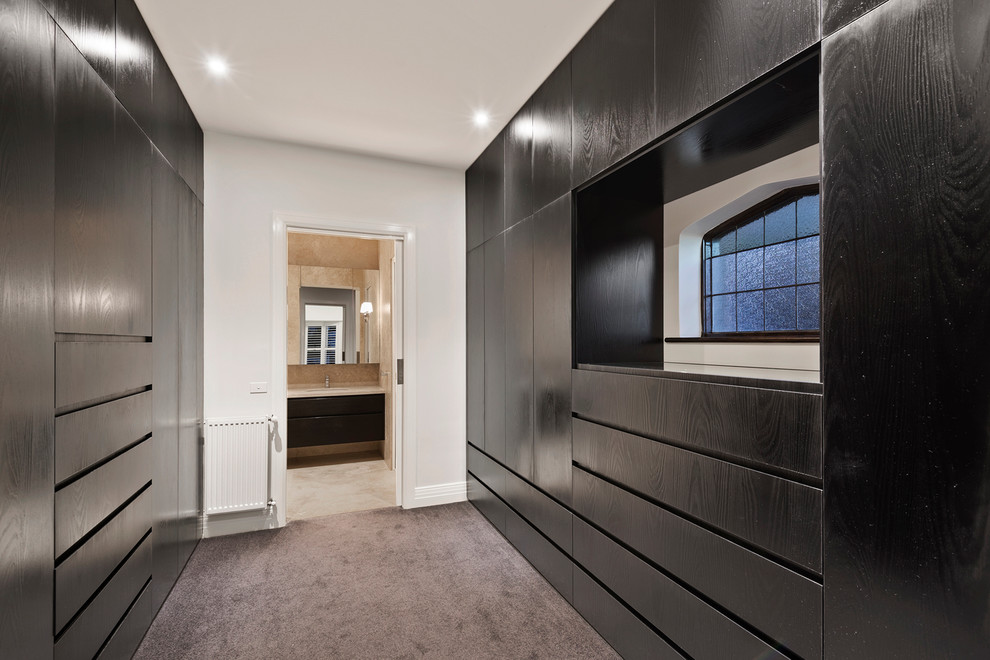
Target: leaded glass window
pixel 760 270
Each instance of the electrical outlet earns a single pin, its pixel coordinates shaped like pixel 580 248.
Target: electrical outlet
pixel 258 388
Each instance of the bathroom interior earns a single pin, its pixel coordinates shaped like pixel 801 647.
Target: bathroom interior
pixel 340 431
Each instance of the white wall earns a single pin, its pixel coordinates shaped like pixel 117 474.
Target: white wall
pixel 778 361
pixel 247 181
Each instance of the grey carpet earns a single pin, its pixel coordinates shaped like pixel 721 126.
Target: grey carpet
pixel 436 582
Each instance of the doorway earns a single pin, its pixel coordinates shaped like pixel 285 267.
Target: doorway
pixel 340 441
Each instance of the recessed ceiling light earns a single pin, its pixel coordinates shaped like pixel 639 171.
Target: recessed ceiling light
pixel 482 118
pixel 217 66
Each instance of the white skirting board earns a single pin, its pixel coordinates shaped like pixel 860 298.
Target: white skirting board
pixel 439 494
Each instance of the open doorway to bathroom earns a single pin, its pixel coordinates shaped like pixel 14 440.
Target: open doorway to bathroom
pixel 341 346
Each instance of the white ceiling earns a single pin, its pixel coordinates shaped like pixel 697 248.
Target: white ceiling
pixel 394 78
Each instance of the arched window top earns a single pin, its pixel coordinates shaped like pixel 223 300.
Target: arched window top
pixel 760 269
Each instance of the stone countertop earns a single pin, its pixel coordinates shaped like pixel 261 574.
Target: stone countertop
pixel 349 389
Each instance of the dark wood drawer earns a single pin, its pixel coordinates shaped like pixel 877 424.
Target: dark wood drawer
pixel 486 470
pixel 83 639
pixel 336 429
pixel 691 623
pixel 542 512
pixel 336 405
pixel 91 371
pixel 632 638
pixel 86 502
pixel 88 436
pixel 757 426
pixel 487 503
pixel 778 515
pixel 552 564
pixel 82 572
pixel 784 605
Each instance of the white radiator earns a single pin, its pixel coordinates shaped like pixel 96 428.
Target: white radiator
pixel 236 464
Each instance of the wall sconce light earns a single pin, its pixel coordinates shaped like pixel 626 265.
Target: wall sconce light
pixel 366 309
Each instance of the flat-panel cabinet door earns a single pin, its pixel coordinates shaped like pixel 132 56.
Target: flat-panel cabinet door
pixel 613 88
pixel 476 347
pixel 905 239
pixel 707 50
pixel 552 349
pixel 519 348
pixel 189 454
pixel 551 108
pixel 493 163
pixel 166 379
pixel 102 206
pixel 135 64
pixel 474 188
pixel 90 25
pixel 519 166
pixel 27 361
pixel 495 347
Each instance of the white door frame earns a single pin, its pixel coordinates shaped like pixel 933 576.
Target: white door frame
pixel 403 332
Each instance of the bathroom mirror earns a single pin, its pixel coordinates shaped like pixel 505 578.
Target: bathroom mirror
pixel 335 325
pixel 336 306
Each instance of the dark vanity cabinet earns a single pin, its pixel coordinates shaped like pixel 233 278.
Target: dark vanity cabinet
pixel 334 420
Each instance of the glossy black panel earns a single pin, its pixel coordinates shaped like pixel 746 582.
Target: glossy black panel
pixel 553 520
pixel 103 208
pixel 131 238
pixel 165 196
pixel 86 437
pixel 551 109
pixel 27 237
pixel 86 502
pixel 188 133
pixel 784 605
pixel 552 349
pixel 80 575
pixel 85 217
pixel 519 348
pixel 476 347
pixel 474 189
pixel 91 371
pixel 756 426
pixel 83 639
pixel 632 638
pixel 519 166
pixel 904 242
pixel 190 455
pixel 486 470
pixel 553 564
pixel 485 501
pixel 613 88
pixel 198 161
pixel 131 631
pixel 836 13
pixel 90 24
pixel 335 429
pixel 765 123
pixel 618 268
pixel 166 132
pixel 495 347
pixel 492 161
pixel 777 515
pixel 695 626
pixel 135 64
pixel 707 50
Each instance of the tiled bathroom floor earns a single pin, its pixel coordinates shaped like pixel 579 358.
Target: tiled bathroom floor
pixel 347 486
